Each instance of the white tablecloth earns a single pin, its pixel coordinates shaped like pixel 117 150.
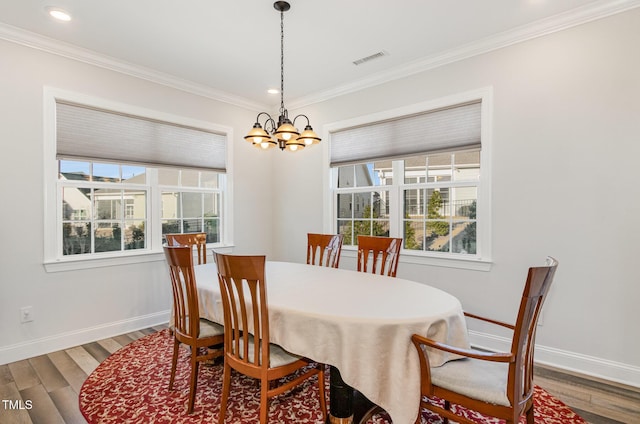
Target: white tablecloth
pixel 358 322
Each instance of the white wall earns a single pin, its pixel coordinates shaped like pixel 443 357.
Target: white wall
pixel 78 306
pixel 566 142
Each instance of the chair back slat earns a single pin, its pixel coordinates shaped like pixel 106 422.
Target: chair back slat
pixel 379 255
pixel 324 249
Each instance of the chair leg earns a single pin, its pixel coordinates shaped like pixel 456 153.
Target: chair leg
pixel 530 415
pixel 264 401
pixel 193 384
pixel 447 406
pixel 174 362
pixel 226 387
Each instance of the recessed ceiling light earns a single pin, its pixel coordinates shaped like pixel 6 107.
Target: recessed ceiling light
pixel 58 14
pixel 273 91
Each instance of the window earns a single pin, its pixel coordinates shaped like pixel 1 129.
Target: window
pixel 124 177
pixel 420 173
pixel 362 200
pixel 191 202
pixel 104 207
pixel 440 197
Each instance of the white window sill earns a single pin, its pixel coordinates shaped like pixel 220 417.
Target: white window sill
pixel 443 260
pixel 73 263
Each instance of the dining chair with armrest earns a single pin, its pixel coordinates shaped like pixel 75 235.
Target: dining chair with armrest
pixel 188 328
pixel 492 383
pixel 324 249
pixel 379 255
pixel 193 240
pixel 247 348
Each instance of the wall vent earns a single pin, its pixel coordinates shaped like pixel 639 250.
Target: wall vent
pixel 370 58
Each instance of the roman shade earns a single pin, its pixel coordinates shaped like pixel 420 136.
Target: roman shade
pixel 88 133
pixel 447 129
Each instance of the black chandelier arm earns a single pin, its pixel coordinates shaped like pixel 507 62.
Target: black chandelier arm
pixel 272 127
pixel 304 116
pixel 267 121
pixel 263 113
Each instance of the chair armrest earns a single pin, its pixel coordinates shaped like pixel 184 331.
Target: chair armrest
pixel 492 321
pixel 468 353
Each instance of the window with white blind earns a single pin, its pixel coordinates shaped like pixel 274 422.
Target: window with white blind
pixel 421 173
pixel 124 177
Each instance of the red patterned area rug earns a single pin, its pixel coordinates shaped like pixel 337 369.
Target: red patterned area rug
pixel 132 386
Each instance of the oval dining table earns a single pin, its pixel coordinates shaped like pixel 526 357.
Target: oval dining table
pixel 359 323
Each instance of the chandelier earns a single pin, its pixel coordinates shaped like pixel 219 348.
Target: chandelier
pixel 284 134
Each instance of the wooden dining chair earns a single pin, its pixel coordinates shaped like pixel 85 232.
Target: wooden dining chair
pixel 325 248
pixel 188 328
pixel 246 346
pixel 379 255
pixel 197 242
pixel 193 240
pixel 492 383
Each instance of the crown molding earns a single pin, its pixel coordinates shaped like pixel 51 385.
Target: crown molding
pixel 49 45
pixel 593 11
pixel 582 15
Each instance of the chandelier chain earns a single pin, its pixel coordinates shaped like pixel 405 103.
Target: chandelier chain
pixel 282 110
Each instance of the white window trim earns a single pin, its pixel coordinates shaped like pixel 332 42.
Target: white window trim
pixel 52 211
pixel 482 261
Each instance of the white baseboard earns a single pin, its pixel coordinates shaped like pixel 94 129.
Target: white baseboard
pixel 44 345
pixel 562 359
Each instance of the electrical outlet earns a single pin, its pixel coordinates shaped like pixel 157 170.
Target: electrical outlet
pixel 26 314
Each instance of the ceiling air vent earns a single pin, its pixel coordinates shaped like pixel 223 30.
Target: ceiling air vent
pixel 369 58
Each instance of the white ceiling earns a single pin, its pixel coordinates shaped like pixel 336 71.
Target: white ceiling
pixel 231 49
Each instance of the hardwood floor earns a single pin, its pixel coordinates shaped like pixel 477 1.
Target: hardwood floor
pixel 597 401
pixel 44 389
